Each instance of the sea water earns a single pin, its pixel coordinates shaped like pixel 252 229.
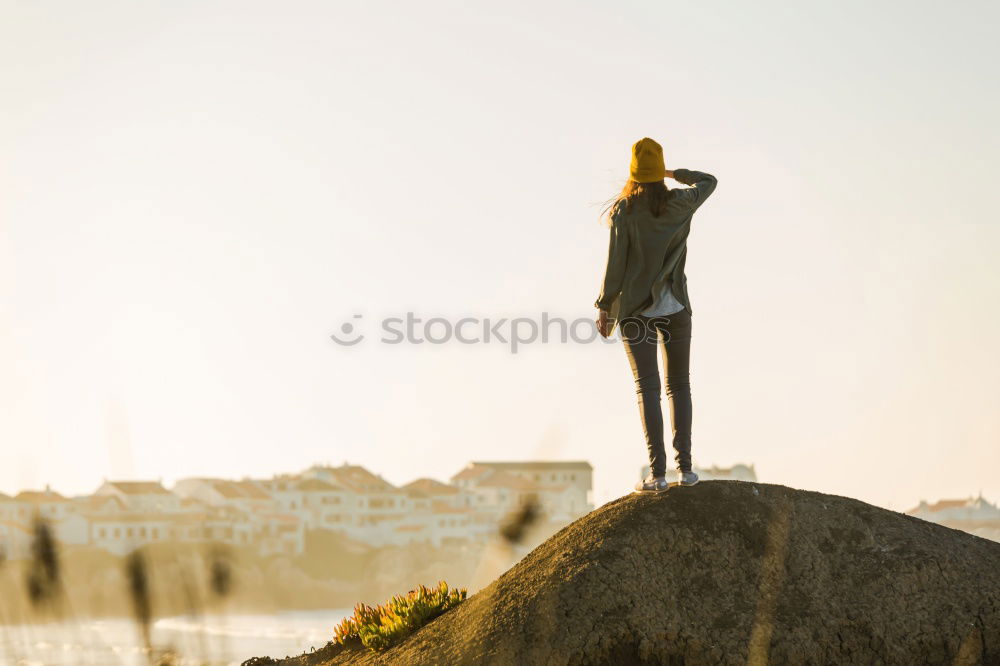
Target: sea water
pixel 207 639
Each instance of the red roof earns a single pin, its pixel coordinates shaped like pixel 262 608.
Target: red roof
pixel 946 504
pixel 431 487
pixel 471 471
pixel 234 489
pixel 227 489
pixel 139 487
pixel 536 465
pixel 356 477
pixel 501 479
pixel 313 485
pixel 40 496
pixel 98 501
pixel 252 490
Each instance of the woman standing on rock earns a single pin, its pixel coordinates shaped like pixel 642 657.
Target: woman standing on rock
pixel 645 293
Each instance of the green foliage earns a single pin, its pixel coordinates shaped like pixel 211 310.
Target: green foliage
pixel 379 627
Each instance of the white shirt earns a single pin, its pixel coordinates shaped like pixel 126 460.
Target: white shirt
pixel 664 301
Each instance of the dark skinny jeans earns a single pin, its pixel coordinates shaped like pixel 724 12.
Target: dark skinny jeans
pixel 642 335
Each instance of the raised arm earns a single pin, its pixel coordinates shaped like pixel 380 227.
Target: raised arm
pixel 703 186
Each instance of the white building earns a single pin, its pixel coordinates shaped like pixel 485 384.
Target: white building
pixel 15 528
pixel 563 489
pixel 243 495
pixel 436 491
pixel 326 506
pixel 246 512
pixel 974 515
pixel 272 515
pixel 15 510
pixel 60 513
pixel 496 492
pixel 122 533
pixel 148 496
pixel 450 524
pixel 101 505
pixel 737 472
pixel 375 506
pixel 442 513
pixel 46 504
pixel 284 489
pixel 318 502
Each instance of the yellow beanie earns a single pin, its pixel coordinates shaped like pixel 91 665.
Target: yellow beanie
pixel 647 162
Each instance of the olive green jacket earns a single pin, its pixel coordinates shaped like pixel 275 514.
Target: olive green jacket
pixel 643 248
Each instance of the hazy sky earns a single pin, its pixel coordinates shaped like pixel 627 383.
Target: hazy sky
pixel 195 195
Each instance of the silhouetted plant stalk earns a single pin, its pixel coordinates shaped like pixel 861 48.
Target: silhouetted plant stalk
pixel 4 631
pixel 515 527
pixel 43 580
pixel 220 572
pixel 220 584
pixel 192 602
pixel 44 576
pixel 137 576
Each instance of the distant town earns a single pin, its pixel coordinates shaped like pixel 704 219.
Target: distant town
pixel 272 516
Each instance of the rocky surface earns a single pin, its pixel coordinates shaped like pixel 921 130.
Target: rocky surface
pixel 726 572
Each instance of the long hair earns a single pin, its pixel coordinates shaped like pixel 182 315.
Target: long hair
pixel 655 195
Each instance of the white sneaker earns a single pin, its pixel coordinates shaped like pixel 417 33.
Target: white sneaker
pixel 686 478
pixel 652 484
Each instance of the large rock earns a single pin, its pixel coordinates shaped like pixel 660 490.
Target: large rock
pixel 728 572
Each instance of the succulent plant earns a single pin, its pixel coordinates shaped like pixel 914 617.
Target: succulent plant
pixel 379 627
